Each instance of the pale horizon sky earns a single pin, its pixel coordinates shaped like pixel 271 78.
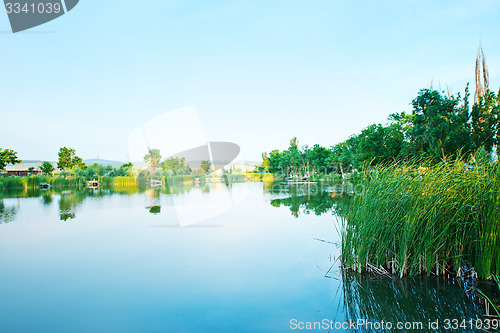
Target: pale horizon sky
pixel 258 72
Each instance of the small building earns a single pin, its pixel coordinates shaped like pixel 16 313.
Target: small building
pixel 24 169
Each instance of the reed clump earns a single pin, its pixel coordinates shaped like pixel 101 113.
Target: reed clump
pixel 123 181
pixel 423 218
pixel 8 183
pixel 180 179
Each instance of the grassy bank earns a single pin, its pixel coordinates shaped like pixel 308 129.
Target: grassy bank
pixel 257 177
pixel 425 219
pixel 33 182
pixel 10 183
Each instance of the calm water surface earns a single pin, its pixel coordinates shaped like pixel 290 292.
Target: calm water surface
pixel 250 257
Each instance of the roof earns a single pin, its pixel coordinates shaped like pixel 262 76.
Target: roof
pixel 25 166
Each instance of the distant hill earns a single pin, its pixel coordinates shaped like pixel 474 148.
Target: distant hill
pixel 103 162
pixel 245 165
pixel 34 161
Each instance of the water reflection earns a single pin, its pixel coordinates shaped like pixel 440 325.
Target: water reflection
pixel 7 214
pixel 68 202
pixel 153 201
pixel 284 262
pixel 307 198
pixel 374 298
pixel 47 198
pixel 409 300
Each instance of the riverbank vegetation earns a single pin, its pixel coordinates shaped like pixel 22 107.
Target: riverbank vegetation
pixel 435 208
pixel 425 218
pixel 440 127
pixel 72 171
pixel 430 185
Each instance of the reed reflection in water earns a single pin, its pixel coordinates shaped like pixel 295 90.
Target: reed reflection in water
pixel 380 298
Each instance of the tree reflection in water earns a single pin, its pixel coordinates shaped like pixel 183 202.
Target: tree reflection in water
pixel 68 202
pixel 153 201
pixel 307 198
pixel 47 198
pixel 376 298
pixel 7 214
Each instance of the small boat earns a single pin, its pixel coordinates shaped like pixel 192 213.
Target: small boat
pixel 93 184
pixel 156 183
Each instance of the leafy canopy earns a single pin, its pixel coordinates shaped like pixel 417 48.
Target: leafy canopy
pixel 47 168
pixel 153 157
pixel 68 159
pixel 206 166
pixel 8 156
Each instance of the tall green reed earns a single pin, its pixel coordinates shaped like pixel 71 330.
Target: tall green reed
pixel 419 217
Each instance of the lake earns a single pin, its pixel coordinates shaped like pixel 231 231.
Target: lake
pixel 249 257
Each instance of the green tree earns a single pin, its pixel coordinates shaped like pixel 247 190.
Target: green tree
pixel 153 157
pixel 484 120
pixel 98 169
pixel 206 166
pixel 276 162
pixel 439 125
pixel 175 164
pixel 318 158
pixel 47 168
pixel 377 144
pixel 264 166
pixel 68 159
pixel 293 156
pixel 343 156
pixel 8 156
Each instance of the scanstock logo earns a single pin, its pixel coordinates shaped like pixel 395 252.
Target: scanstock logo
pixel 26 14
pixel 179 133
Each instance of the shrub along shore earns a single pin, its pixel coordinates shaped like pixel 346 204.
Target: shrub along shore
pixel 425 218
pixel 33 182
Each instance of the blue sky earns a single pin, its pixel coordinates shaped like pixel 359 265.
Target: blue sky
pixel 259 72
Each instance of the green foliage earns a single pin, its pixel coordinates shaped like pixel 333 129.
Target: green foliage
pixel 68 159
pixel 307 200
pixel 439 125
pixel 298 162
pixel 485 121
pixel 107 181
pixel 424 217
pixel 380 144
pixel 206 167
pixel 8 156
pixel 47 168
pixel 34 181
pixel 124 181
pixel 176 164
pixel 153 157
pixel 173 180
pixel 233 178
pixel 7 183
pixel 343 156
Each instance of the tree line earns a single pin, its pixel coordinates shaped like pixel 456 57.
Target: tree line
pixel 176 165
pixel 439 127
pixel 70 164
